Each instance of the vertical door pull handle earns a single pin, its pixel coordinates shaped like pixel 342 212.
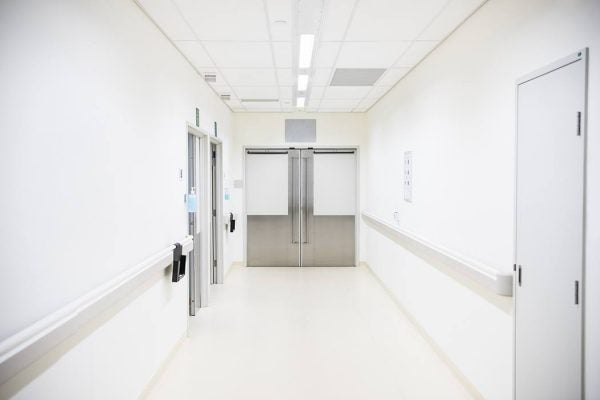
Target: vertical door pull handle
pixel 295 199
pixel 519 275
pixel 576 292
pixel 305 200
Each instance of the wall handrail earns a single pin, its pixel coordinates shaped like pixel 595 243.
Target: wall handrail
pixel 492 279
pixel 28 345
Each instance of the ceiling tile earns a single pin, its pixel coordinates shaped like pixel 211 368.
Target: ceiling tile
pixel 286 77
pixel 338 103
pixel 416 52
pixel 336 110
pixel 222 89
pixel 283 54
pixel 392 76
pixel 225 19
pixel 399 8
pixel 280 11
pixel 166 15
pixel 195 53
pixel 316 92
pixel 240 54
pixel 453 14
pixel 256 92
pixel 313 105
pixel 234 103
pixel 370 54
pixel 346 92
pixel 286 93
pixel 337 15
pixel 266 106
pixel 392 19
pixel 378 91
pixel 326 54
pixel 321 76
pixel 249 77
pixel 366 103
pixel 376 28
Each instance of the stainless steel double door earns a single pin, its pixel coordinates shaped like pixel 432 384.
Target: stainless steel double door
pixel 301 238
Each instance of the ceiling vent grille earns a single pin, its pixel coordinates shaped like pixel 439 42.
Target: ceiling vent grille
pixel 210 77
pixel 225 97
pixel 356 76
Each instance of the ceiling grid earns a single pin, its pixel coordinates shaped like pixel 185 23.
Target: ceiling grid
pixel 252 46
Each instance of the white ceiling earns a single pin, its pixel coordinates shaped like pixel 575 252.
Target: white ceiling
pixel 255 57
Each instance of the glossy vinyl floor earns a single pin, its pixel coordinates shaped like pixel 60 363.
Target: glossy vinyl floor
pixel 304 333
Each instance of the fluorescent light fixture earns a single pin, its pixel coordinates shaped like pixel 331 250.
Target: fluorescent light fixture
pixel 300 101
pixel 306 50
pixel 302 82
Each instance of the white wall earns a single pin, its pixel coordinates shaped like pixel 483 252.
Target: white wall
pixel 93 133
pixel 456 113
pixel 268 129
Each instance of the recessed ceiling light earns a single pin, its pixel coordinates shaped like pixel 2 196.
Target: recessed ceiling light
pixel 302 82
pixel 306 49
pixel 300 101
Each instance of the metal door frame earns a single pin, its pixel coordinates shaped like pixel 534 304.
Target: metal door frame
pixel 356 150
pixel 583 56
pixel 200 267
pixel 217 226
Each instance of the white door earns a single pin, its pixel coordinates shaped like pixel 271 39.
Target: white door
pixel 550 232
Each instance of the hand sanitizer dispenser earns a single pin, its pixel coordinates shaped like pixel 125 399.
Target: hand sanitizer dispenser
pixel 192 201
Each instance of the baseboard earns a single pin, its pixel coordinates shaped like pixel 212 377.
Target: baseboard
pixel 438 350
pixel 163 366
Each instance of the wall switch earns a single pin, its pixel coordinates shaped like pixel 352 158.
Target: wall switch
pixel 408 183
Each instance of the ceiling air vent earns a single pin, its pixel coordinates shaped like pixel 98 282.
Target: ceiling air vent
pixel 210 77
pixel 356 76
pixel 225 97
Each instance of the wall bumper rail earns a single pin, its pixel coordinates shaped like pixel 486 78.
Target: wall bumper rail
pixel 28 345
pixel 498 282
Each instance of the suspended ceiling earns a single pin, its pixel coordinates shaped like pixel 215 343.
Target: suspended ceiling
pixel 252 46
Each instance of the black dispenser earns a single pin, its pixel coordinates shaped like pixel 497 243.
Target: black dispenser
pixel 178 263
pixel 231 223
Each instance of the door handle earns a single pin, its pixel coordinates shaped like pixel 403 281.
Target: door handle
pixel 305 199
pixel 295 198
pixel 519 276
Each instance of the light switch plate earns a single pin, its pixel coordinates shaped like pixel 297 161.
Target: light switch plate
pixel 408 173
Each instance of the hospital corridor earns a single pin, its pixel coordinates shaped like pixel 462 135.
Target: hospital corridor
pixel 300 199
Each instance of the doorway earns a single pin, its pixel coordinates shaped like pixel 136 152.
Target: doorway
pixel 301 207
pixel 205 220
pixel 549 227
pixel 216 212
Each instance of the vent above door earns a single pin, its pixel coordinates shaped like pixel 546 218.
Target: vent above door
pixel 356 76
pixel 300 130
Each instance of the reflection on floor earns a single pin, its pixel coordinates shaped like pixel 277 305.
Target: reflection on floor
pixel 304 333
